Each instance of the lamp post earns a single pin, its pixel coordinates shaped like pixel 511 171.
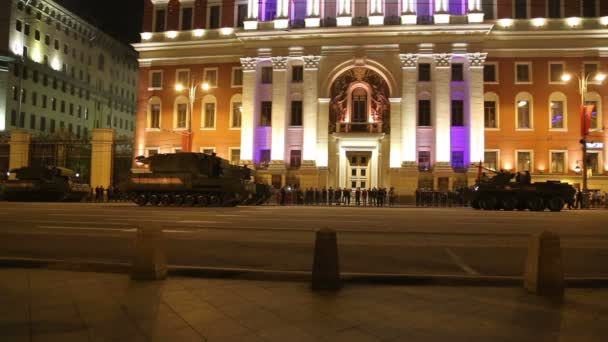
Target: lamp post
pixel 582 87
pixel 192 89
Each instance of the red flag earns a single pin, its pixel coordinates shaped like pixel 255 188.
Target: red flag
pixel 586 112
pixel 187 141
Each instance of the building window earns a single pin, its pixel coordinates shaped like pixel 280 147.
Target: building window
pixel 457 72
pixel 522 73
pixel 237 112
pixel 593 162
pixel 489 111
pixel 186 18
pixel 297 74
pixel 209 120
pixel 458 160
pixel 37 35
pixel 424 160
pixel 521 9
pixel 211 77
pixel 555 8
pixel 14 118
pixel 556 70
pixel 156 80
pixel 557 114
pixel 424 72
pixel 237 77
pixel 160 17
pixel 241 15
pixel 154 121
pixel 214 17
pixel 589 69
pixel 558 161
pixel 589 8
pixel 18 25
pixel 27 29
pixel 524 161
pixel 266 75
pixel 296 113
pixel 264 158
pixel 183 77
pixel 182 116
pixel 457 113
pixel 295 158
pixel 32 121
pixel 52 126
pixel 487 6
pixel 235 156
pixel 43 124
pixel 524 117
pixel 266 114
pixel 22 120
pixel 424 113
pixel 490 73
pixel 490 159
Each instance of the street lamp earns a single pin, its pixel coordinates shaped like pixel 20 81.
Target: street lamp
pixel 582 87
pixel 192 88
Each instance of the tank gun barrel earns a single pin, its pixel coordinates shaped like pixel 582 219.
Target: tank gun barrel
pixel 485 168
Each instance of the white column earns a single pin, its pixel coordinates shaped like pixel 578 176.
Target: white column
pixel 252 15
pixel 311 100
pixel 395 155
pixel 441 107
pixel 476 114
pixel 279 110
pixel 323 133
pixel 313 19
pixel 345 14
pixel 475 14
pixel 409 76
pixel 408 12
pixel 248 114
pixel 376 13
pixel 282 18
pixel 442 14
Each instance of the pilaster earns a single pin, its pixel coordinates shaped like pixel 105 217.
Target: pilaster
pixel 441 103
pixel 323 133
pixel 376 13
pixel 475 92
pixel 441 14
pixel 475 13
pixel 20 150
pixel 395 137
pixel 311 100
pixel 282 18
pixel 251 23
pixel 101 157
pixel 279 109
pixel 408 14
pixel 248 115
pixel 313 18
pixel 409 74
pixel 345 15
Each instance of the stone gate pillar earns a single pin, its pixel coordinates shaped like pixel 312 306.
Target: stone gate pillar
pixel 102 150
pixel 20 150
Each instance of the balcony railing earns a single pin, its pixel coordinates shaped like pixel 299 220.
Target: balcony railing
pixel 359 127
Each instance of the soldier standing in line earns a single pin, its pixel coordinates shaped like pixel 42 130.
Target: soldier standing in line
pixel 364 196
pixel 358 197
pixel 317 196
pixel 374 196
pixel 324 196
pixel 346 196
pixel 338 196
pixel 330 197
pixel 282 195
pixel 391 197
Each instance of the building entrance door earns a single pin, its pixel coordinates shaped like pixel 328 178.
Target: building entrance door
pixel 359 173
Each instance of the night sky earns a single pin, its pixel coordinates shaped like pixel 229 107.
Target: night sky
pixel 119 18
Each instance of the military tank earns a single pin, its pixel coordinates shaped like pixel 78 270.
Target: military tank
pixel 44 184
pixel 500 192
pixel 193 179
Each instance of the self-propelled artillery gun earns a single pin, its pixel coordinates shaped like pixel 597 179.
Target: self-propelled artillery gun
pixel 193 179
pixel 44 184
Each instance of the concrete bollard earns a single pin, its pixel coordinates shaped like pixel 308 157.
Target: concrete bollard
pixel 326 268
pixel 544 272
pixel 150 261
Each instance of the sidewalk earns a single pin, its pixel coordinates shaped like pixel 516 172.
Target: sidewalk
pixel 47 305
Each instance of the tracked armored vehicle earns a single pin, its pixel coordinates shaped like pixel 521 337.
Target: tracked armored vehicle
pixel 193 179
pixel 500 192
pixel 44 184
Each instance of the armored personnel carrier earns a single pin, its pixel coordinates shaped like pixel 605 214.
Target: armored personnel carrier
pixel 500 192
pixel 193 179
pixel 44 184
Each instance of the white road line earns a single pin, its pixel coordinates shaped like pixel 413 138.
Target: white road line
pixel 194 221
pixel 458 261
pixel 86 228
pixel 227 215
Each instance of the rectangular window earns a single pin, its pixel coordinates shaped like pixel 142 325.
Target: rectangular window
pixel 160 20
pixel 558 162
pixel 264 158
pixel 187 18
pixel 424 160
pixel 521 9
pixel 524 161
pixel 424 113
pixel 266 75
pixel 241 15
pixel 182 115
pixel 52 127
pixel 295 158
pixel 593 162
pixel 214 17
pixel 589 8
pixel 522 73
pixel 211 77
pixel 209 121
pixel 237 108
pixel 34 98
pixel 13 118
pixel 296 113
pixel 183 77
pixel 557 114
pixel 489 111
pixel 457 72
pixel 37 35
pixel 32 121
pixel 555 8
pixel 523 115
pixel 235 156
pixel 44 101
pixel 156 79
pixel 490 73
pixel 487 6
pixel 27 29
pixel 457 113
pixel 266 114
pixel 490 160
pixel 556 70
pixel 457 160
pixel 18 25
pixel 424 72
pixel 22 120
pixel 297 74
pixel 42 124
pixel 237 77
pixel 590 69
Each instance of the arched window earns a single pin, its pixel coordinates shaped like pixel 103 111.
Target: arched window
pixel 524 114
pixel 558 112
pixel 593 98
pixel 491 110
pixel 180 113
pixel 236 111
pixel 154 114
pixel 209 116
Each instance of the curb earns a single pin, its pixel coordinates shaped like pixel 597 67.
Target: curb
pixel 294 276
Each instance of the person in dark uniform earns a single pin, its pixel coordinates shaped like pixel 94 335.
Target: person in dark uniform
pixel 527 178
pixel 374 196
pixel 317 196
pixel 338 196
pixel 283 195
pixel 392 196
pixel 519 178
pixel 330 196
pixel 346 196
pixel 364 196
pixel 324 196
pixel 358 197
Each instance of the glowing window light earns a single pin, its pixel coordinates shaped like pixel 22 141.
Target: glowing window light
pixel 604 21
pixel 538 22
pixel 146 36
pixel 56 63
pixel 505 22
pixel 226 31
pixel 573 21
pixel 171 34
pixel 198 33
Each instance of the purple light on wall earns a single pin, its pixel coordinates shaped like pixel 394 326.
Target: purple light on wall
pixel 457 7
pixel 268 10
pixel 460 141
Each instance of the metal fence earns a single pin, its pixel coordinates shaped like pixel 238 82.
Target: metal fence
pixel 432 198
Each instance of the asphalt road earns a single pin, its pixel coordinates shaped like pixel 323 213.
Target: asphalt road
pixel 456 241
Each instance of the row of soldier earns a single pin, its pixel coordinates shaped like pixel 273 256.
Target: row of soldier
pixel 340 196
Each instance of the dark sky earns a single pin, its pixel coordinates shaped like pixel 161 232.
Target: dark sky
pixel 119 18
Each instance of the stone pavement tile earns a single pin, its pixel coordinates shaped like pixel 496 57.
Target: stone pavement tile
pixel 185 334
pixel 352 335
pixel 238 338
pixel 219 297
pixel 220 329
pixel 14 330
pixel 201 315
pixel 72 336
pixel 285 332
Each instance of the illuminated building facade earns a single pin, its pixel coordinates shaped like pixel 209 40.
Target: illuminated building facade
pixel 401 93
pixel 68 75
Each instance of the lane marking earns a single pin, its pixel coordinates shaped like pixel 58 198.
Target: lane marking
pixel 194 221
pixel 458 261
pixel 86 228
